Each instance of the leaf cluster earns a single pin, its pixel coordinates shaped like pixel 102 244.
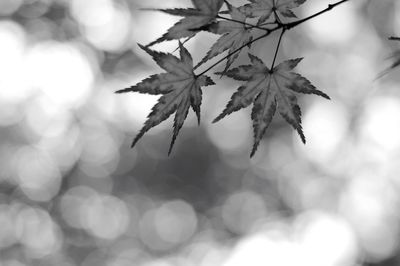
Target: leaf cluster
pixel 269 89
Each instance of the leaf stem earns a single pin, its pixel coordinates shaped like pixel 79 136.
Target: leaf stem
pixel 277 19
pixel 283 26
pixel 277 48
pixel 235 51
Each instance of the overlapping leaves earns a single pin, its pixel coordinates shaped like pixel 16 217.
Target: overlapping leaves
pixel 180 89
pixel 235 34
pixel 195 19
pixel 269 90
pixel 265 8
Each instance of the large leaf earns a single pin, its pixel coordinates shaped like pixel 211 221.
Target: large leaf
pixel 235 35
pixel 269 90
pixel 264 8
pixel 180 89
pixel 195 19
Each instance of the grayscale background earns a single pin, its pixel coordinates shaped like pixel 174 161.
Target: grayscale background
pixel 72 192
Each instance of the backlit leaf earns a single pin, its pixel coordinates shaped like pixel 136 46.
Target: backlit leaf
pixel 264 8
pixel 235 35
pixel 195 19
pixel 180 89
pixel 269 90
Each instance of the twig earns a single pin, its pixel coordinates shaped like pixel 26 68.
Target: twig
pixel 233 52
pixel 244 23
pixel 185 41
pixel 330 7
pixel 283 26
pixel 277 49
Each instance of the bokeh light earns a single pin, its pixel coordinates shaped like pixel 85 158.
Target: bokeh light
pixel 37 232
pixel 105 217
pixel 326 127
pixel 327 30
pixel 38 175
pixel 48 63
pixel 72 192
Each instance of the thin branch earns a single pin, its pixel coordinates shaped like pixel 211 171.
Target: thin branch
pixel 392 38
pixel 185 41
pixel 244 23
pixel 277 49
pixel 298 22
pixel 277 19
pixel 283 26
pixel 233 52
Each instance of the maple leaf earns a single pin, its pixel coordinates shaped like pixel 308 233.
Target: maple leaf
pixel 180 89
pixel 264 8
pixel 196 19
pixel 235 35
pixel 269 90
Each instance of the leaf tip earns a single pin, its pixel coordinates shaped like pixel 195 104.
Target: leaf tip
pixel 141 45
pixel 171 145
pixel 323 95
pixel 253 151
pixel 144 47
pixel 159 40
pixel 209 81
pixel 217 119
pixel 120 91
pixel 138 136
pixel 301 134
pixel 134 143
pixel 298 60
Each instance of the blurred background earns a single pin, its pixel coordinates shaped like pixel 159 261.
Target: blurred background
pixel 72 192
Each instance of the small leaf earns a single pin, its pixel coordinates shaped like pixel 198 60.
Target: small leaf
pixel 195 19
pixel 235 35
pixel 264 8
pixel 180 89
pixel 269 90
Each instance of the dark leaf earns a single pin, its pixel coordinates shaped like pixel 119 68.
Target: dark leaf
pixel 180 90
pixel 264 8
pixel 195 19
pixel 269 90
pixel 235 35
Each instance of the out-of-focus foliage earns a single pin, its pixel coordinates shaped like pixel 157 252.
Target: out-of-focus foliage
pixel 73 193
pixel 395 57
